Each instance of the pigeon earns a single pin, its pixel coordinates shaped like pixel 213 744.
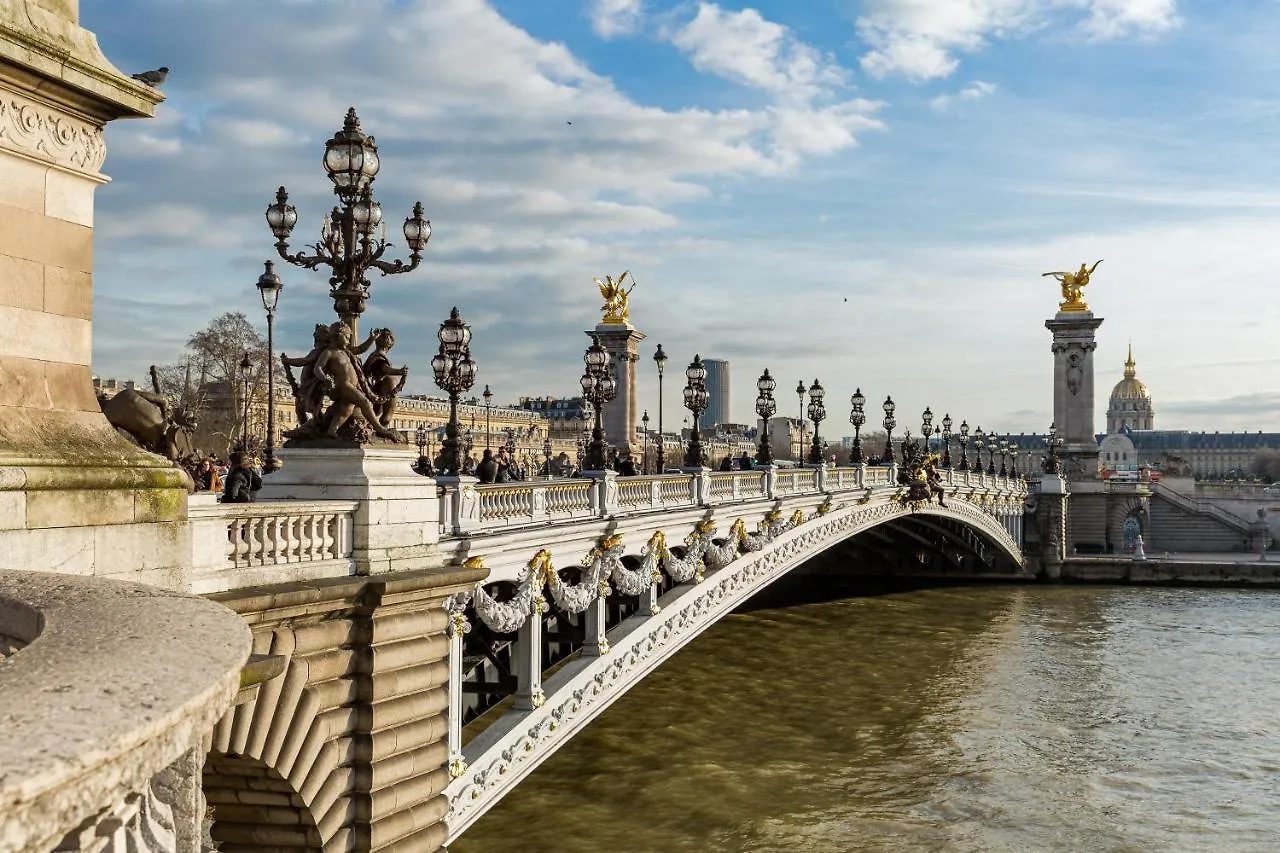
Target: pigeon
pixel 568 122
pixel 154 79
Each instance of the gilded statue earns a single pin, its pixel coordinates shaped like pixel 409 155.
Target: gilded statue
pixel 1072 285
pixel 615 298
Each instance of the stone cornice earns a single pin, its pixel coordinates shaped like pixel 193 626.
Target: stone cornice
pixel 42 51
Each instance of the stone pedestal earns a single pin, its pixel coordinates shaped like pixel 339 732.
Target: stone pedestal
pixel 1051 524
pixel 397 525
pixel 1073 345
pixel 74 496
pixel 621 341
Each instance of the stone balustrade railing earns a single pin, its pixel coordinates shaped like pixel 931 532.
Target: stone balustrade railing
pixel 109 689
pixel 235 543
pixel 480 508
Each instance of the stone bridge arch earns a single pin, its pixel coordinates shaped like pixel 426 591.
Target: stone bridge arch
pixel 510 747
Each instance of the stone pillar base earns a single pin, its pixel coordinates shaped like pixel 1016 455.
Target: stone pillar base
pixel 397 526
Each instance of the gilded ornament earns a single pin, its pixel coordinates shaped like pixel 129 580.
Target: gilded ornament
pixel 616 312
pixel 476 562
pixel 1072 285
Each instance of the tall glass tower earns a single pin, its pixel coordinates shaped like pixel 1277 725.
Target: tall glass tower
pixel 717 392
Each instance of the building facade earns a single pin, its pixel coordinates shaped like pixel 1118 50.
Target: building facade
pixel 717 411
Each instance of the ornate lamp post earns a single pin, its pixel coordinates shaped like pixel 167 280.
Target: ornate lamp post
pixel 1052 464
pixel 1004 457
pixel 511 441
pixel 817 413
pixel 993 447
pixel 964 445
pixel 926 429
pixel 660 359
pixel 246 376
pixel 889 423
pixel 455 372
pixel 352 238
pixel 269 287
pixel 644 464
pixel 766 408
pixel 1013 459
pixel 946 440
pixel 488 408
pixel 420 436
pixel 695 400
pixel 598 388
pixel 800 389
pixel 857 417
pixel 978 444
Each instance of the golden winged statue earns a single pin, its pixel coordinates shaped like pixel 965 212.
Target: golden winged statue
pixel 615 298
pixel 1072 283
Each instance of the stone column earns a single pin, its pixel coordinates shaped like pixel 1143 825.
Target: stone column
pixel 74 496
pixel 1073 345
pixel 621 341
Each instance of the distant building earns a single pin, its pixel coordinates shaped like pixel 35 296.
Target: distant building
pixel 108 388
pixel 717 411
pixel 1130 404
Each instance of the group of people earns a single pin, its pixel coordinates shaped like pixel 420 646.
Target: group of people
pixel 737 463
pixel 235 482
pixel 499 468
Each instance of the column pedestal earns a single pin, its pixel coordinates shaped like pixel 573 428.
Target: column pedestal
pixel 1074 340
pixel 397 525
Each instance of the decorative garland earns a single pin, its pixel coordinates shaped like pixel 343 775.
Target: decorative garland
pixel 603 564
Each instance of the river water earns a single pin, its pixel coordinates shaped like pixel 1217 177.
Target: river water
pixel 994 718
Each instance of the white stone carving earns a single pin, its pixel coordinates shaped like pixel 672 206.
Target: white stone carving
pixel 43 132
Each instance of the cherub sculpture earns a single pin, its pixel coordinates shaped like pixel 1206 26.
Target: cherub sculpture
pixel 385 381
pixel 332 371
pixel 615 298
pixel 1072 285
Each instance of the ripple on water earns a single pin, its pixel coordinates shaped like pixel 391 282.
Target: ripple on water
pixel 986 719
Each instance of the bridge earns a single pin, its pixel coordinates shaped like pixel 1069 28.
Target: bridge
pixel 547 601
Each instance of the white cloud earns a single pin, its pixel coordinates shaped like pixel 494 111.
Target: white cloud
pixel 972 92
pixel 919 39
pixel 613 18
pixel 746 48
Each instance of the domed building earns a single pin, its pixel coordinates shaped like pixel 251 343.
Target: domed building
pixel 1130 405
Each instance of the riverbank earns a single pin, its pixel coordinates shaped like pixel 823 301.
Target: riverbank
pixel 1175 570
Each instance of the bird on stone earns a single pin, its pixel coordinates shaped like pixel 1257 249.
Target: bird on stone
pixel 154 79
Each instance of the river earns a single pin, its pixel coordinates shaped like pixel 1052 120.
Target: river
pixel 994 718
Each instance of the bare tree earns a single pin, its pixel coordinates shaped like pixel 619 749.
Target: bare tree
pixel 1266 464
pixel 207 380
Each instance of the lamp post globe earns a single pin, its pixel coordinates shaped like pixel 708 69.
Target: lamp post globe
pixel 269 286
pixel 888 423
pixel 766 408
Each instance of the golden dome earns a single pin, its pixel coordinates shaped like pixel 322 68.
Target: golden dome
pixel 1131 387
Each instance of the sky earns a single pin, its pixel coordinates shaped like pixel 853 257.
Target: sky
pixel 864 193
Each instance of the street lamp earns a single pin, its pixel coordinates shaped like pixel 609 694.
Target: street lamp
pixel 511 441
pixel 946 440
pixel 660 359
pixel 800 389
pixel 926 428
pixel 269 287
pixel 598 388
pixel 1004 456
pixel 424 462
pixel 644 420
pixel 246 375
pixel 352 237
pixel 455 372
pixel 993 447
pixel 695 400
pixel 857 417
pixel 1013 459
pixel 978 443
pixel 488 407
pixel 889 423
pixel 817 413
pixel 766 408
pixel 964 445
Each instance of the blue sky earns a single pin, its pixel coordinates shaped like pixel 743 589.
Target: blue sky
pixel 754 165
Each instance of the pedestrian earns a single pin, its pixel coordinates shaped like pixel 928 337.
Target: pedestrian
pixel 744 462
pixel 504 467
pixel 487 470
pixel 243 483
